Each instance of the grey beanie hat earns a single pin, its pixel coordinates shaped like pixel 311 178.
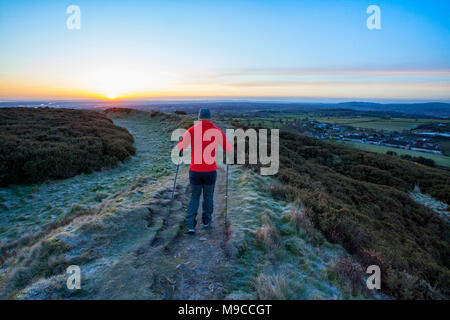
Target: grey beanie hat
pixel 204 114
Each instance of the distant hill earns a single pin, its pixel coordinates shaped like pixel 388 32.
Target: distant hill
pixel 431 108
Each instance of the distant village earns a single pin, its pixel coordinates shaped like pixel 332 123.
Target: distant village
pixel 416 140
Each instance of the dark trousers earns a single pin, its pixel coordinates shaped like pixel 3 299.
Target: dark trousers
pixel 201 181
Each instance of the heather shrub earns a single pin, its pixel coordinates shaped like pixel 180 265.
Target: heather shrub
pixel 349 273
pixel 45 143
pixel 362 203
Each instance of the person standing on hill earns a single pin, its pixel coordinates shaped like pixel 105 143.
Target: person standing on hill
pixel 204 138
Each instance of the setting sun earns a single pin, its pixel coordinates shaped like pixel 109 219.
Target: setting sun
pixel 111 96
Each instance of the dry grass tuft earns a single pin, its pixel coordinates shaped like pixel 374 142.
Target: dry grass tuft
pixel 267 236
pixel 300 217
pixel 271 287
pixel 350 274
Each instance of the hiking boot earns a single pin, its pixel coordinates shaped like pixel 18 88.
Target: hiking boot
pixel 205 226
pixel 191 231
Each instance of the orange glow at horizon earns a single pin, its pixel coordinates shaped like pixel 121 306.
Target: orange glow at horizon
pixel 129 84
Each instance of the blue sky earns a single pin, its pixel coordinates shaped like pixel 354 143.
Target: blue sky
pixel 175 49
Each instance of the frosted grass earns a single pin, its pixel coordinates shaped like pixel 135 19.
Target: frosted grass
pixel 27 209
pixel 304 265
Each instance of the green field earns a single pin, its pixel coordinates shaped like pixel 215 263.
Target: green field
pixel 376 123
pixel 440 160
pixel 393 124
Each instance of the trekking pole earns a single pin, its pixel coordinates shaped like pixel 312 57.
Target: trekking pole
pixel 173 189
pixel 226 198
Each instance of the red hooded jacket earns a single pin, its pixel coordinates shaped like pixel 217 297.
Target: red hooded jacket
pixel 204 137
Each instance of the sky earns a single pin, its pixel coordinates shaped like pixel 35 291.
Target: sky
pixel 297 50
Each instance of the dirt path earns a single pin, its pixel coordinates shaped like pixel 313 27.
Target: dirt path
pixel 201 275
pixel 126 251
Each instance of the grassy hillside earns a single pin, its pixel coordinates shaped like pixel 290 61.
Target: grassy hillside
pixel 357 200
pixel 438 159
pixel 276 251
pixel 269 250
pixel 44 143
pixel 377 123
pixel 360 200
